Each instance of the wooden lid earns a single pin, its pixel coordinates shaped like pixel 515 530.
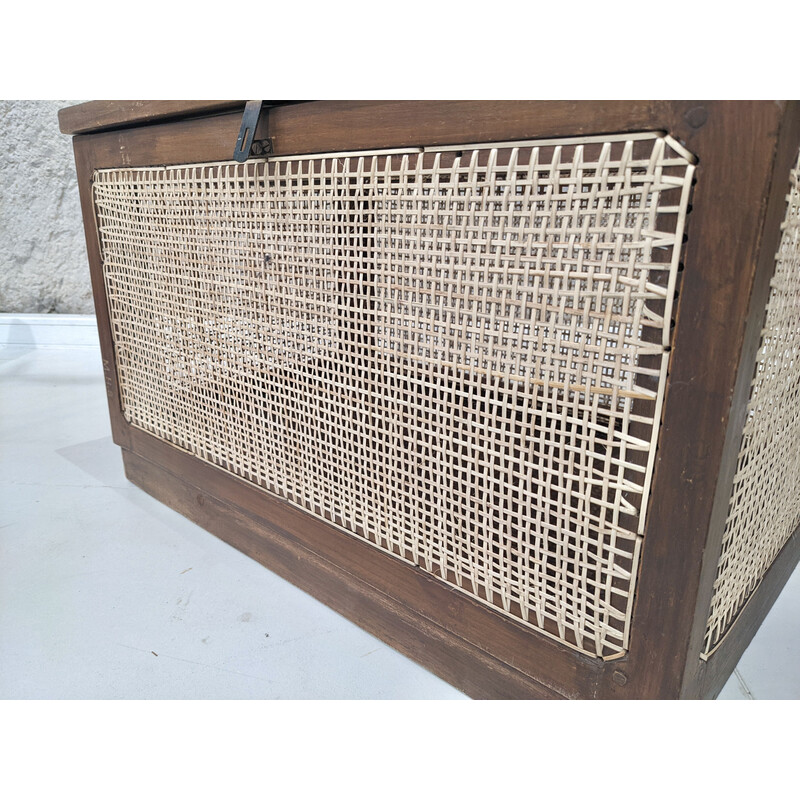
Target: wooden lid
pixel 99 115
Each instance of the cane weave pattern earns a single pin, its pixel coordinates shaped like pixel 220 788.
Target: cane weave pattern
pixel 457 355
pixel 764 508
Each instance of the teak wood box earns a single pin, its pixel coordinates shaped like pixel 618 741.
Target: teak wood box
pixel 511 385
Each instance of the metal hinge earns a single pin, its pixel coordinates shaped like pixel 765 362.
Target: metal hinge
pixel 246 143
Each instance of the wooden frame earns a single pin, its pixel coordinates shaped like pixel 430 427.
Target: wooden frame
pixel 745 151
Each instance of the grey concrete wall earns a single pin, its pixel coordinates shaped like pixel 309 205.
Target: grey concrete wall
pixel 43 267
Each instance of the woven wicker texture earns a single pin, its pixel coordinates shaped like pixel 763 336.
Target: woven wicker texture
pixel 457 355
pixel 764 508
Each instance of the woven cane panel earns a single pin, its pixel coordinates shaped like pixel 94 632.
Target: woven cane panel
pixel 764 508
pixel 455 355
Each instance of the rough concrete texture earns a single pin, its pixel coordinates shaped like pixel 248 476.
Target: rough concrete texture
pixel 43 265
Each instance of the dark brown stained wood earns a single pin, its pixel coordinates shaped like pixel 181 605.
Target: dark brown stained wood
pixel 741 147
pixel 702 676
pixel 465 666
pixel 326 126
pixel 181 142
pixel 354 125
pixel 97 115
pixel 304 128
pixel 736 149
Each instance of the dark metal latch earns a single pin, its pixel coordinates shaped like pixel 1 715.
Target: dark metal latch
pixel 245 142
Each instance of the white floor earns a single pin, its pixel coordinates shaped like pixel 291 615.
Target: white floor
pixel 105 593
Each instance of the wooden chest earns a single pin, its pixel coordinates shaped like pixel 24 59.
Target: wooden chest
pixel 515 386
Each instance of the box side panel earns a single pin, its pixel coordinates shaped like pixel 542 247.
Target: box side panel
pixel 438 351
pixel 764 506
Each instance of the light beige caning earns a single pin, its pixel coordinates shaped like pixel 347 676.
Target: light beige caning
pixel 764 508
pixel 457 354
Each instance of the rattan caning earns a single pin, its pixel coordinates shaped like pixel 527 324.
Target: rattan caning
pixel 764 508
pixel 458 354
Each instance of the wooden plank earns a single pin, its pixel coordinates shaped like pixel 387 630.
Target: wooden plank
pixel 97 115
pixel 353 125
pixel 184 141
pixel 328 126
